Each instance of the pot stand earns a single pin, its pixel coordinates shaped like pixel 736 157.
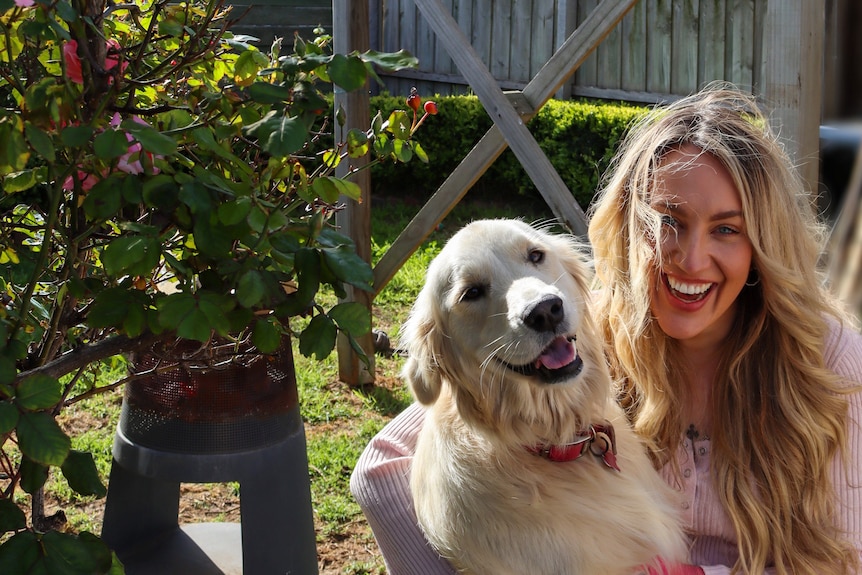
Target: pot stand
pixel 241 423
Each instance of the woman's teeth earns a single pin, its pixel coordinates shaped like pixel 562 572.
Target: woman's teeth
pixel 692 291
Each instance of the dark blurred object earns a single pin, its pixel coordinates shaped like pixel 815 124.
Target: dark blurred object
pixel 844 151
pixel 839 144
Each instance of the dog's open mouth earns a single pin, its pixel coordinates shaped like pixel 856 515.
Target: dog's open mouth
pixel 557 362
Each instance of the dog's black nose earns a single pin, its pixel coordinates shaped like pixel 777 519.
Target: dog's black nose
pixel 546 314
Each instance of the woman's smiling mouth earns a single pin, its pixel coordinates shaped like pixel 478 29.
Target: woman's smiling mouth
pixel 688 292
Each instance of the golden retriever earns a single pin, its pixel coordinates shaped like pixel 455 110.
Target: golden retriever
pixel 525 463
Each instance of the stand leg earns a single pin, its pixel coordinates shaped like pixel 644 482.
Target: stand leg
pixel 277 520
pixel 138 508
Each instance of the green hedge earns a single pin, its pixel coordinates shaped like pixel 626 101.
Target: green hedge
pixel 579 138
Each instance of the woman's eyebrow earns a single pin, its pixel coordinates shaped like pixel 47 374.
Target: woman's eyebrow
pixel 726 215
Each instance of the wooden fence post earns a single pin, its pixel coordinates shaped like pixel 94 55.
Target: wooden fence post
pixel 350 26
pixel 792 77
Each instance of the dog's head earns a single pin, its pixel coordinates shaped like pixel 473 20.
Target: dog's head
pixel 502 322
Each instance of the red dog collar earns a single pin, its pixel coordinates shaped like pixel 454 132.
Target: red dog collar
pixel 597 439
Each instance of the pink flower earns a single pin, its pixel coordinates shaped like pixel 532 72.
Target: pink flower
pixel 24 3
pixel 112 57
pixel 73 63
pixel 131 161
pixel 87 181
pixel 134 161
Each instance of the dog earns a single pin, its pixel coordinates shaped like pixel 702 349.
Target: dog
pixel 525 462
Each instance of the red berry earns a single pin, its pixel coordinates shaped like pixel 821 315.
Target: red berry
pixel 430 108
pixel 413 100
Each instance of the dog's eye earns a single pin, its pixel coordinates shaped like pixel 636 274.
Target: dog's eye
pixel 472 292
pixel 536 256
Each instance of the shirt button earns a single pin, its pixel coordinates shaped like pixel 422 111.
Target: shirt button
pixel 685 505
pixel 687 472
pixel 702 451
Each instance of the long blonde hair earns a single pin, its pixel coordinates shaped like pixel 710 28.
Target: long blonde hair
pixel 780 413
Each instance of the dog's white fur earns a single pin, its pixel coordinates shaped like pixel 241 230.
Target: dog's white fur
pixel 483 499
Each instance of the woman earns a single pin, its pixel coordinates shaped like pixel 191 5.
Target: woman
pixel 737 366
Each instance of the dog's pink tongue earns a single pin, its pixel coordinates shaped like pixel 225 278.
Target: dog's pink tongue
pixel 561 352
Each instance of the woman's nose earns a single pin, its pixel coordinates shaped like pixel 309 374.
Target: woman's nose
pixel 692 253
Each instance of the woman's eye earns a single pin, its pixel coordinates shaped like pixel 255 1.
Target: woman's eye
pixel 536 256
pixel 727 230
pixel 668 220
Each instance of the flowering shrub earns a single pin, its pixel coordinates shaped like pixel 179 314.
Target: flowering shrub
pixel 161 178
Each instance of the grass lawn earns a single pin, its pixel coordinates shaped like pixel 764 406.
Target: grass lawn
pixel 339 420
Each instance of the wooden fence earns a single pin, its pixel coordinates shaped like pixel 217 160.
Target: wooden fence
pixel 270 19
pixel 661 48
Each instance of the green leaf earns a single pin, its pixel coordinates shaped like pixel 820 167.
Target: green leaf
pixel 399 125
pixel 38 392
pixel 174 308
pixel 11 517
pixel 41 141
pixel 104 199
pixel 349 72
pixel 266 336
pixel 307 264
pixel 206 139
pixel 195 316
pixel 347 266
pixel 211 238
pixel 249 63
pixel 351 317
pixel 132 189
pixel 330 189
pixel 41 439
pixel 67 12
pixel 33 475
pixel 318 338
pixel 280 135
pixel 20 181
pixel 119 308
pixel 20 554
pixel 171 27
pixel 76 136
pixel 133 255
pixel 160 192
pixel 383 146
pixel 249 289
pixel 80 471
pixel 215 307
pixel 403 152
pixel 8 371
pixel 391 61
pixel 75 554
pixel 420 152
pixel 109 308
pixel 8 417
pixel 266 93
pixel 110 144
pixel 233 212
pixel 15 152
pixel 151 139
pixel 357 143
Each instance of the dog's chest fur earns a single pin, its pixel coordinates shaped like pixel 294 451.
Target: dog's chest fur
pixel 496 509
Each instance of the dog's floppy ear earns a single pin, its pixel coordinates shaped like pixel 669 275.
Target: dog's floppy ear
pixel 422 340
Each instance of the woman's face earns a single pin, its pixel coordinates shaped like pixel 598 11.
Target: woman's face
pixel 706 254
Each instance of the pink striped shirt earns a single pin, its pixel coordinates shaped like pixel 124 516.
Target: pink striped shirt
pixel 380 483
